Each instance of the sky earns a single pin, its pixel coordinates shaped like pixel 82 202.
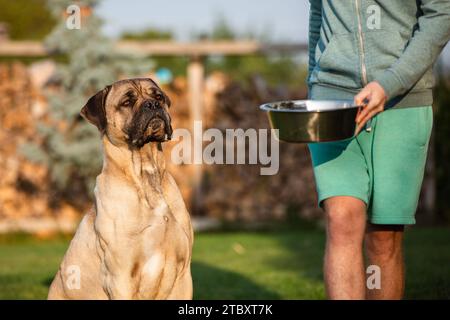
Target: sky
pixel 282 20
pixel 286 22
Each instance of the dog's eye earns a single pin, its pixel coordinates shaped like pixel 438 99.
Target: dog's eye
pixel 126 103
pixel 159 97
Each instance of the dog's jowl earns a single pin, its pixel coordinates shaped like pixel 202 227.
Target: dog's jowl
pixel 136 241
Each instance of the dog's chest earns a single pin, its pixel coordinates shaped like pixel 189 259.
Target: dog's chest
pixel 152 256
pixel 141 241
pixel 165 257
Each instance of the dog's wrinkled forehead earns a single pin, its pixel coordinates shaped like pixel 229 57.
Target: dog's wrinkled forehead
pixel 142 85
pixel 144 88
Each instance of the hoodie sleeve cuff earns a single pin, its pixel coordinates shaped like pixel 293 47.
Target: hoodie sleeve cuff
pixel 391 84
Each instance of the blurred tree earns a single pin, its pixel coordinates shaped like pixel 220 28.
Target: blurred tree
pixel 277 70
pixel 26 19
pixel 222 30
pixel 148 34
pixel 177 65
pixel 71 148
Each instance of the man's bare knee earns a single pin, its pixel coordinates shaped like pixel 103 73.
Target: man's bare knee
pixel 345 219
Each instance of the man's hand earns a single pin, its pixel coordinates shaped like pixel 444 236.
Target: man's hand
pixel 374 98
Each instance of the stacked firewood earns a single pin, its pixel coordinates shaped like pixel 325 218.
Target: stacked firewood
pixel 24 187
pixel 19 177
pixel 239 191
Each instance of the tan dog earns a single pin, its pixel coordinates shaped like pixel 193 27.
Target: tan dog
pixel 137 241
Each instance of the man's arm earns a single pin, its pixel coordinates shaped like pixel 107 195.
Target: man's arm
pixel 315 23
pixel 424 48
pixel 429 39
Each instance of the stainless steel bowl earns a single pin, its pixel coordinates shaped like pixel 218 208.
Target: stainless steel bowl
pixel 308 121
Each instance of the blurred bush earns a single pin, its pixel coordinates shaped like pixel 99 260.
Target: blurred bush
pixel 278 70
pixel 26 19
pixel 177 65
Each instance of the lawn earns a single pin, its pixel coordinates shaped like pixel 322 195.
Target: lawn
pixel 284 263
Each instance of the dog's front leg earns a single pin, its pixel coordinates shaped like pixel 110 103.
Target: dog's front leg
pixel 118 281
pixel 119 287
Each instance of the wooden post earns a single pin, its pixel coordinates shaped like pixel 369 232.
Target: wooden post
pixel 4 35
pixel 196 79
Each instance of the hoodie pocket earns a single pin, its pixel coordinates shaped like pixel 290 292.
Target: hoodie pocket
pixel 383 48
pixel 424 124
pixel 339 63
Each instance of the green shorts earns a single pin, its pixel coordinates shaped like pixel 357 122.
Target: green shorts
pixel 383 167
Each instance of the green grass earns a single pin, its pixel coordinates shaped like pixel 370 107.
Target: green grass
pixel 280 264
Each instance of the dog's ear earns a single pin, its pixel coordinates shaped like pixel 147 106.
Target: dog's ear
pixel 94 111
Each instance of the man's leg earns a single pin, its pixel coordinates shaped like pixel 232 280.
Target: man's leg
pixel 344 261
pixel 384 249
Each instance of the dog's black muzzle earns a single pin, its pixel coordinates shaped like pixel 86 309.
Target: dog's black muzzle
pixel 151 123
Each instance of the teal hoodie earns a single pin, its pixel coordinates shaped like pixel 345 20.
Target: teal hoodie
pixel 393 42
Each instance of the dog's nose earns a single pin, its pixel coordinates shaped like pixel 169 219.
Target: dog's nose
pixel 152 105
